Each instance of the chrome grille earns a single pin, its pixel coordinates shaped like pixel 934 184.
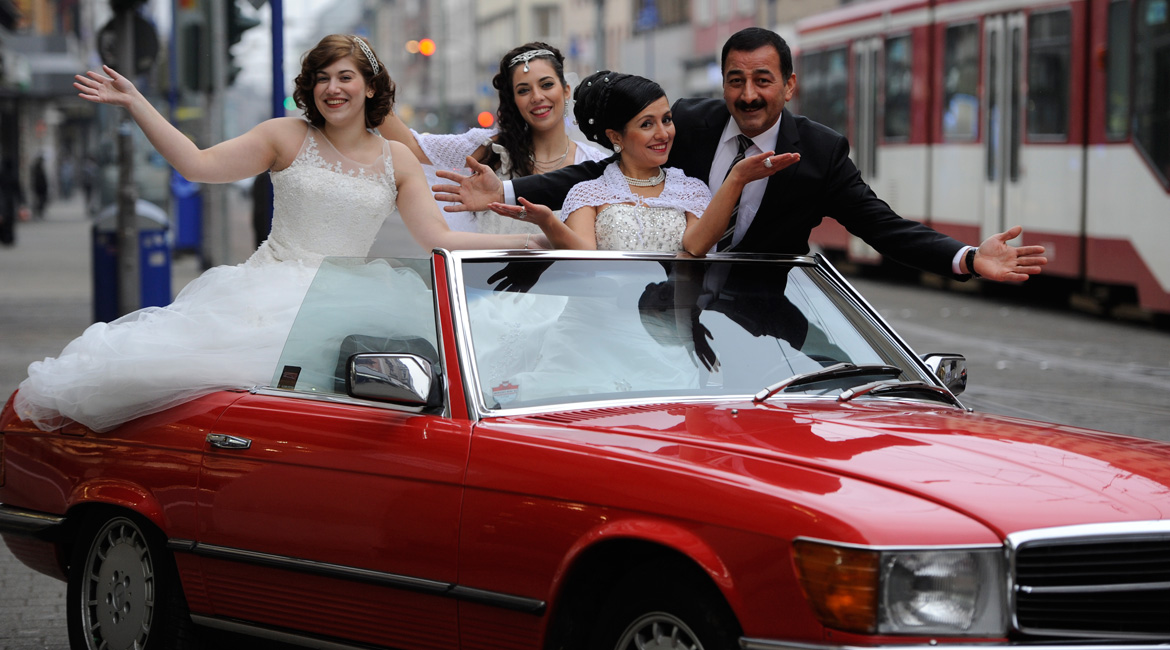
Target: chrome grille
pixel 1116 586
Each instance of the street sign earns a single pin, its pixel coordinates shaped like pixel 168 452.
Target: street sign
pixel 145 45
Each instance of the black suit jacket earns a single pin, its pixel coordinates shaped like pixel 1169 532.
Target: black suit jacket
pixel 824 183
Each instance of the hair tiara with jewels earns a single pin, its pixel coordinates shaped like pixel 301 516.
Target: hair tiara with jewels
pixel 525 57
pixel 369 54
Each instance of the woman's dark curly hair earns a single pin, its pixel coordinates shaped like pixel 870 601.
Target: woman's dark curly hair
pixel 329 50
pixel 609 100
pixel 514 134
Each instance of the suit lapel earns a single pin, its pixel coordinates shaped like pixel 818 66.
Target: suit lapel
pixel 770 212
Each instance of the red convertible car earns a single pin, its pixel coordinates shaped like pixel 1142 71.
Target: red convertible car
pixel 596 450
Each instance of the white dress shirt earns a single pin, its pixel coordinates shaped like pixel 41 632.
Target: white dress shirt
pixel 753 192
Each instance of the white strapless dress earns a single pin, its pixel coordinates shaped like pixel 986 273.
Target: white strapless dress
pixel 226 328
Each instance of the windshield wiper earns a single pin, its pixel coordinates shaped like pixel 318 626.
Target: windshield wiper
pixel 836 371
pixel 882 387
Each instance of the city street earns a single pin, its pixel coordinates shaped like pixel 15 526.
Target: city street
pixel 1024 360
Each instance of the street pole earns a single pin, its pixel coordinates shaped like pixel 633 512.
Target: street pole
pixel 277 7
pixel 129 285
pixel 215 231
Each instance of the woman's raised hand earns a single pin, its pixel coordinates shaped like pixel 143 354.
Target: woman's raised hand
pixel 110 88
pixel 527 211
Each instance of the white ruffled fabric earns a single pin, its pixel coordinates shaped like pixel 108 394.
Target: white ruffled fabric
pixel 450 151
pixel 226 328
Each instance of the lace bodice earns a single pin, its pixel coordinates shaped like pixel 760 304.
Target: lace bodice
pixel 327 205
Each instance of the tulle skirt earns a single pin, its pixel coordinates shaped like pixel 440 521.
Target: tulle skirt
pixel 225 329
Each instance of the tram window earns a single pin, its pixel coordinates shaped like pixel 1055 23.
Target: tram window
pixel 898 80
pixel 824 88
pixel 1117 82
pixel 1151 100
pixel 961 82
pixel 1049 41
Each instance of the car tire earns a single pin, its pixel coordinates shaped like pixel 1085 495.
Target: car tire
pixel 124 590
pixel 666 608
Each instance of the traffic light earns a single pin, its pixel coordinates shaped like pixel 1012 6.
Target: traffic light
pixel 237 23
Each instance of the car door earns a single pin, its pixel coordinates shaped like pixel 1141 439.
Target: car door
pixel 337 519
pixel 325 513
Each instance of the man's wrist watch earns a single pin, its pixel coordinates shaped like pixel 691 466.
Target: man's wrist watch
pixel 970 259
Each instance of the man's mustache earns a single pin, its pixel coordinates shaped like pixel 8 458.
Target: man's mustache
pixel 751 106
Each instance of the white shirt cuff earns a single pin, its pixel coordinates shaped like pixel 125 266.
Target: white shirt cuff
pixel 955 268
pixel 509 194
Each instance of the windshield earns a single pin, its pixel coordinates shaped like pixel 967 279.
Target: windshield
pixel 547 332
pixel 356 305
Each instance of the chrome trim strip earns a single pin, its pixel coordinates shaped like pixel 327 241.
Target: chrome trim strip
pixel 271 634
pixel 1094 589
pixel 1090 532
pixel 888 548
pixel 336 398
pixel 321 568
pixel 747 643
pixel 28 522
pixel 504 601
pixel 354 574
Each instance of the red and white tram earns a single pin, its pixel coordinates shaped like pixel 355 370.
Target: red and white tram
pixel 977 115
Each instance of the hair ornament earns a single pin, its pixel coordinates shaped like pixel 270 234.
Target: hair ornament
pixel 369 54
pixel 525 57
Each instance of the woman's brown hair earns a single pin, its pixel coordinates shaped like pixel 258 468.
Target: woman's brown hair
pixel 329 50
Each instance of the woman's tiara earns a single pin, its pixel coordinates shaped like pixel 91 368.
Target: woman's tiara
pixel 369 54
pixel 525 57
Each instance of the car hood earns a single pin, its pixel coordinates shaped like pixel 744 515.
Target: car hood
pixel 1010 474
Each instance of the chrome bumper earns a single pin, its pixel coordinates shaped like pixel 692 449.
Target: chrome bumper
pixel 767 644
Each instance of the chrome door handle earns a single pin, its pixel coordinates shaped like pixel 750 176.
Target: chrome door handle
pixel 224 441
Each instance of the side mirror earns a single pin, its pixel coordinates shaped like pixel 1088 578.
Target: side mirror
pixel 951 370
pixel 405 379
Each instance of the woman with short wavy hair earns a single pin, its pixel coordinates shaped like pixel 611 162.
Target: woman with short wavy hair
pixel 335 181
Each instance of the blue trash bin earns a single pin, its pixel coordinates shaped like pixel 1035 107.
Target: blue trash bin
pixel 188 213
pixel 154 260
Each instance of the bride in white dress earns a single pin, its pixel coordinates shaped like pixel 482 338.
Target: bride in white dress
pixel 529 136
pixel 335 181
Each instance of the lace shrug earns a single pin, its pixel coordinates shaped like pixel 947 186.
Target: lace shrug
pixel 680 191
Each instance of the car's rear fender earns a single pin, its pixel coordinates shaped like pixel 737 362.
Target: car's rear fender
pixel 116 493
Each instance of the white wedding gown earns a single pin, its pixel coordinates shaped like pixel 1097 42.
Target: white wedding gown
pixel 226 328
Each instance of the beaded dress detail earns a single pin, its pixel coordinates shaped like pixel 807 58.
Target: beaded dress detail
pixel 227 327
pixel 628 222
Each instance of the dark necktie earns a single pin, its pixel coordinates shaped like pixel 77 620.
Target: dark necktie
pixel 725 241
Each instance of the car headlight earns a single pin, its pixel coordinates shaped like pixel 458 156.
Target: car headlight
pixel 954 592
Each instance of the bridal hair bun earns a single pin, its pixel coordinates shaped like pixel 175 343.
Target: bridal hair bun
pixel 609 100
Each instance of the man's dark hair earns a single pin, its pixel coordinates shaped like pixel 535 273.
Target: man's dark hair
pixel 753 38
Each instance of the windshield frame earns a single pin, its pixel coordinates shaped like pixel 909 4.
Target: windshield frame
pixel 855 308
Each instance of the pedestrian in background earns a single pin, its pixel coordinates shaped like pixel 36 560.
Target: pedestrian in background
pixel 40 188
pixel 11 201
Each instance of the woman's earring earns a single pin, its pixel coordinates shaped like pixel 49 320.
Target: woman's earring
pixel 617 148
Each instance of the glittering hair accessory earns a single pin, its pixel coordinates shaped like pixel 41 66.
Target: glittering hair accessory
pixel 369 54
pixel 525 57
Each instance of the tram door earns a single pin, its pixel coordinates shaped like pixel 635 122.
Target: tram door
pixel 1003 64
pixel 866 61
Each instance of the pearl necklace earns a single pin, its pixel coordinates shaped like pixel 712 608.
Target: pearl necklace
pixel 555 161
pixel 649 182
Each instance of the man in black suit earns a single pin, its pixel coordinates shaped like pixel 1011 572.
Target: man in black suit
pixel 776 214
